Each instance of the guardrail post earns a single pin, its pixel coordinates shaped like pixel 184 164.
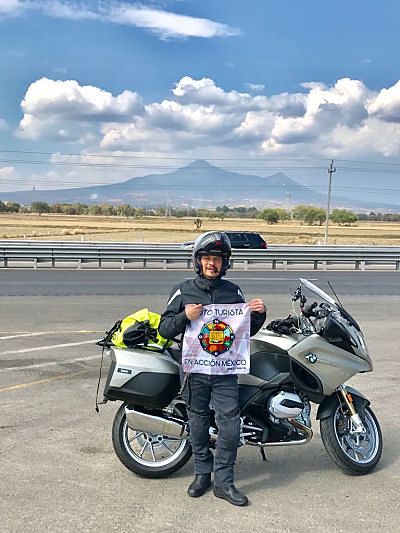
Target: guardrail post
pixel 280 258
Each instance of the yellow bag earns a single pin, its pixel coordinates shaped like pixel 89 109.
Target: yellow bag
pixel 139 330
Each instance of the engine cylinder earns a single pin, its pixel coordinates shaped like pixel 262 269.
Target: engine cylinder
pixel 285 405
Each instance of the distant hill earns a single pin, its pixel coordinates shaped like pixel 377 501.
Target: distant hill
pixel 198 184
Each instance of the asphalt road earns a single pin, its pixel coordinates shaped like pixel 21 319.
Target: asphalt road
pixel 58 468
pixel 58 282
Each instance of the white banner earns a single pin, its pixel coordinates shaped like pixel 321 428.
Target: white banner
pixel 218 342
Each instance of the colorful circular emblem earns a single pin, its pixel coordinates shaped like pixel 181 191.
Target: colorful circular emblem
pixel 216 337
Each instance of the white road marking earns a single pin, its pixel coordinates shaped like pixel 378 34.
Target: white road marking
pixel 248 278
pixel 268 279
pixel 50 363
pixel 38 333
pixel 51 347
pixel 40 381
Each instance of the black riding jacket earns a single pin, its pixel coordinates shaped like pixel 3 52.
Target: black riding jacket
pixel 201 291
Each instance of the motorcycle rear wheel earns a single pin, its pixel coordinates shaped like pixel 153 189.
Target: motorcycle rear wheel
pixel 354 454
pixel 148 454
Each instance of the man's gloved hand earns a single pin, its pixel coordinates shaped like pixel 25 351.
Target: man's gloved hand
pixel 284 326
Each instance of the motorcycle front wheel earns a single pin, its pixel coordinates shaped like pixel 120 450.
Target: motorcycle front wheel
pixel 354 453
pixel 148 454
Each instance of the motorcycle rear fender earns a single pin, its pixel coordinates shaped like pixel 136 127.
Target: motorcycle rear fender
pixel 329 404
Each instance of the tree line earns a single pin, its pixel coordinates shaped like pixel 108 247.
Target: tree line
pixel 307 214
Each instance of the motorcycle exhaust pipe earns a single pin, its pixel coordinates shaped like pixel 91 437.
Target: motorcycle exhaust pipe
pixel 302 427
pixel 154 424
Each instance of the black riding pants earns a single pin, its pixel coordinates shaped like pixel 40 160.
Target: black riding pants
pixel 223 394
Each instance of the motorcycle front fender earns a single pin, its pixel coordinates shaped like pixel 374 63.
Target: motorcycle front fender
pixel 330 403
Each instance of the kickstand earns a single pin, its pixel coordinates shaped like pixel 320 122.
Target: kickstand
pixel 264 458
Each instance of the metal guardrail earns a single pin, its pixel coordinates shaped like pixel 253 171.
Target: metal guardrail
pixel 139 255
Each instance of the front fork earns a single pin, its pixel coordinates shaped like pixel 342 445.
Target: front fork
pixel 356 425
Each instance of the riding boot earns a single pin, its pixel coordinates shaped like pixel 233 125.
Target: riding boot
pixel 199 485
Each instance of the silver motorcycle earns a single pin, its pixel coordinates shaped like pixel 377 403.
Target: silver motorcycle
pixel 306 357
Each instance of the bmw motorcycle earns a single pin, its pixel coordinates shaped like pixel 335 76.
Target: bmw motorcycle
pixel 304 358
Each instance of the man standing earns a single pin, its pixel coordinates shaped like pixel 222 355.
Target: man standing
pixel 211 253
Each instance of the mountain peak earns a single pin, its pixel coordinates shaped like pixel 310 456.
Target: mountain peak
pixel 199 163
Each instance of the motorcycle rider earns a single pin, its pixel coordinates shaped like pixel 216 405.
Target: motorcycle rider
pixel 211 253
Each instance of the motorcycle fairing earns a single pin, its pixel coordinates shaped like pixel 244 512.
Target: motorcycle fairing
pixel 333 365
pixel 328 406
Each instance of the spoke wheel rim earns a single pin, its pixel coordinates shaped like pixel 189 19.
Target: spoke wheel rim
pixel 151 449
pixel 361 449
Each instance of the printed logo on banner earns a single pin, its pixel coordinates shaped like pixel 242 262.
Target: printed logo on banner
pixel 218 342
pixel 216 337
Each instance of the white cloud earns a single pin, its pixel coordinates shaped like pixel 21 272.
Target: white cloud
pixel 205 92
pixel 60 70
pixel 386 105
pixel 3 124
pixel 322 121
pixel 11 7
pixel 313 85
pixel 62 9
pixel 6 172
pixel 167 24
pixel 66 110
pixel 163 23
pixel 255 87
pixel 344 103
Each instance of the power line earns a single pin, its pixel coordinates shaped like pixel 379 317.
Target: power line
pixel 150 186
pixel 168 158
pixel 182 158
pixel 162 167
pixel 211 169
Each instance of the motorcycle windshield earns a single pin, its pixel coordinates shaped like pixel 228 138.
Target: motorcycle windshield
pixel 319 292
pixel 322 294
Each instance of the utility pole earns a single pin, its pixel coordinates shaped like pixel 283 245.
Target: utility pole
pixel 331 170
pixel 167 206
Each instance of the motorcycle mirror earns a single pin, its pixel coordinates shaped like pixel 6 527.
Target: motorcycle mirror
pixel 296 294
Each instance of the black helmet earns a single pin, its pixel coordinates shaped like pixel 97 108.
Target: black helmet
pixel 212 243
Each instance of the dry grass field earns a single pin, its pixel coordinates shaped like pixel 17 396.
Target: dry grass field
pixel 169 230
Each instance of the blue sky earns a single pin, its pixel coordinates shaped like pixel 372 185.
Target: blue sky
pixel 100 92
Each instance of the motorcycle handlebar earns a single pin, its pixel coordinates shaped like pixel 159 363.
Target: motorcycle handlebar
pixel 308 311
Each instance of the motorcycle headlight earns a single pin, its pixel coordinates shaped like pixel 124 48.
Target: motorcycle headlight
pixel 358 337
